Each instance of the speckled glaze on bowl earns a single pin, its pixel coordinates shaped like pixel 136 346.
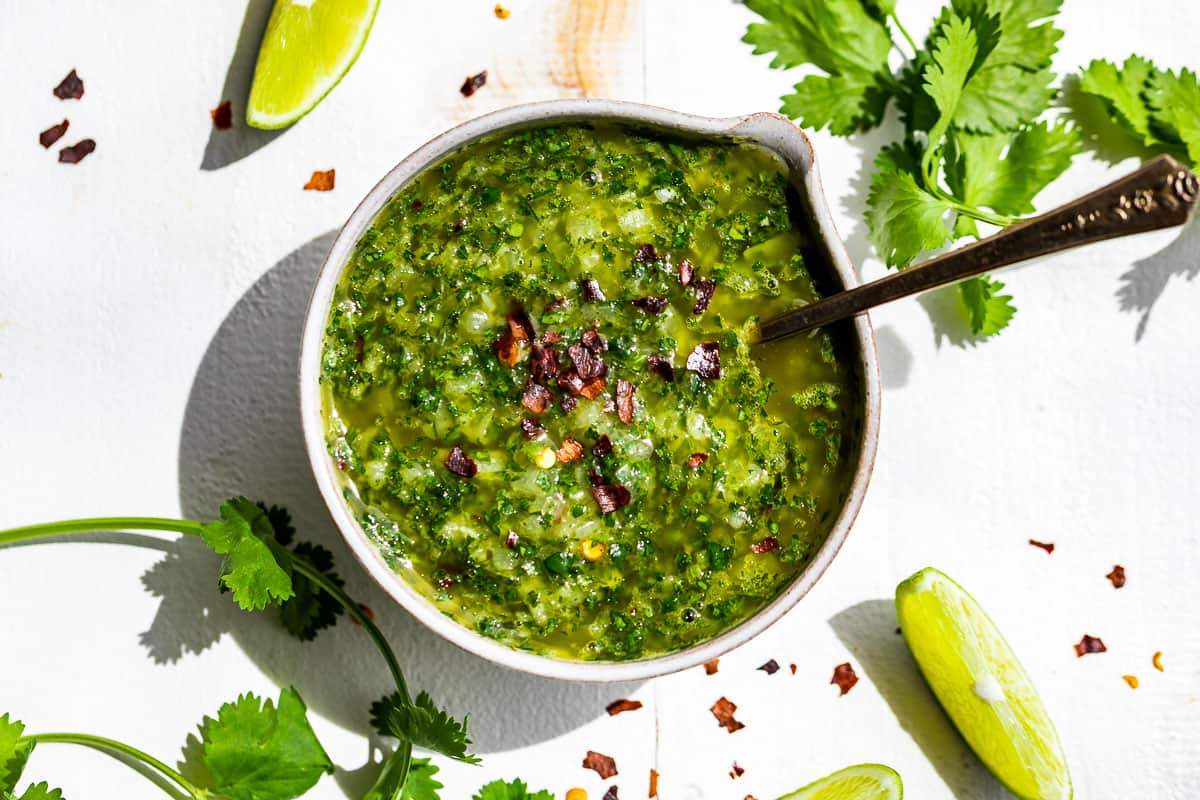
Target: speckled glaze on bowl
pixel 769 131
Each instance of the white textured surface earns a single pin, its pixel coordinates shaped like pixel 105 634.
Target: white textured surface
pixel 149 315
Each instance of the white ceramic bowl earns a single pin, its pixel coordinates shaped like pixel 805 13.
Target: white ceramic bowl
pixel 770 131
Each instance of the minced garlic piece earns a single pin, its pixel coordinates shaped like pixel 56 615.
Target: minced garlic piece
pixel 545 458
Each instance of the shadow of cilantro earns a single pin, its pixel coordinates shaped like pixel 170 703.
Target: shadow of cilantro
pixel 1143 285
pixel 868 630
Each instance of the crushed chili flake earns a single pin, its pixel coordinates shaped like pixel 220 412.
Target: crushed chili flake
pixel 473 83
pixel 771 667
pixel 417 204
pixel 661 367
pixel 593 341
pixel 512 540
pixel 653 783
pixel 620 706
pixel 543 363
pixel 501 12
pixel 1131 680
pixel 458 463
pixel 556 304
pixel 686 272
pixel 70 88
pixel 625 408
pixel 507 349
pixel 723 710
pixel 1117 576
pixel 222 116
pixel 570 450
pixel 520 325
pixel 696 459
pixel 570 381
pixel 609 497
pixel 604 765
pixel 567 404
pixel 704 294
pixel 737 771
pixel 765 545
pixel 77 152
pixel 321 180
pixel 536 397
pixel 1156 660
pixel 792 667
pixel 611 794
pixel 651 305
pixel 711 667
pixel 458 225
pixel 360 349
pixel 591 291
pixel 53 133
pixel 587 364
pixel 551 337
pixel 844 677
pixel 594 388
pixel 343 464
pixel 705 360
pixel 646 252
pixel 366 612
pixel 532 429
pixel 1047 546
pixel 602 447
pixel 1089 644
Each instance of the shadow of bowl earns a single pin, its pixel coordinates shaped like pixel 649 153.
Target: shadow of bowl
pixel 241 435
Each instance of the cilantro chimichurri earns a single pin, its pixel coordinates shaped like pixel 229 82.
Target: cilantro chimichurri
pixel 539 388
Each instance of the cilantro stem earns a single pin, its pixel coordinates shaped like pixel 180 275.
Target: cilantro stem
pixel 111 746
pixel 904 33
pixel 99 524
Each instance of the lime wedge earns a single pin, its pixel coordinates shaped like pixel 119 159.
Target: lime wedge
pixel 860 782
pixel 305 51
pixel 982 686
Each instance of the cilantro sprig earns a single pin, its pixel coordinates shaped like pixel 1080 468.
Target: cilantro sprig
pixel 976 146
pixel 264 567
pixel 252 750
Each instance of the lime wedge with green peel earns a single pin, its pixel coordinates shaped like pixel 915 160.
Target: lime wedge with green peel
pixel 982 686
pixel 305 51
pixel 860 782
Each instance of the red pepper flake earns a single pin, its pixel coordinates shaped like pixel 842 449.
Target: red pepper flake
pixel 723 711
pixel 1047 546
pixel 593 388
pixel 653 783
pixel 343 464
pixel 543 363
pixel 609 497
pixel 737 771
pixel 458 463
pixel 557 303
pixel 570 450
pixel 792 667
pixel 592 340
pixel 1117 576
pixel 417 205
pixel 591 291
pixel 704 294
pixel 570 381
pixel 321 180
pixel 645 253
pixel 603 446
pixel 458 225
pixel 651 305
pixel 53 133
pixel 536 397
pixel 587 364
pixel 844 677
pixel 620 706
pixel 604 765
pixel 705 360
pixel 520 325
pixel 551 337
pixel 611 794
pixel 696 459
pixel 1089 644
pixel 771 667
pixel 686 272
pixel 567 404
pixel 512 540
pixel 507 349
pixel 473 83
pixel 710 667
pixel 765 545
pixel 366 612
pixel 77 152
pixel 661 367
pixel 625 392
pixel 70 88
pixel 532 429
pixel 222 116
pixel 360 349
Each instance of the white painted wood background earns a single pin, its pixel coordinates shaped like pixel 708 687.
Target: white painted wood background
pixel 149 314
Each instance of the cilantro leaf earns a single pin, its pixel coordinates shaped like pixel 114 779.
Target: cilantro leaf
pixel 953 56
pixel 255 750
pixel 13 752
pixel 988 311
pixel 1002 98
pixel 1028 38
pixel 1003 171
pixel 512 790
pixel 311 608
pixel 257 568
pixel 423 724
pixel 903 219
pixel 1174 102
pixel 421 785
pixel 403 777
pixel 1121 90
pixel 842 38
pixel 40 791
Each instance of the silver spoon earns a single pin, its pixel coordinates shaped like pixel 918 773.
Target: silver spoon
pixel 1161 194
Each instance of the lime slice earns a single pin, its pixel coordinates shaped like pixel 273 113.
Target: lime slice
pixel 860 782
pixel 305 51
pixel 982 686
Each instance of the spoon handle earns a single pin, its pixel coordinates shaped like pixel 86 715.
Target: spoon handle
pixel 1160 194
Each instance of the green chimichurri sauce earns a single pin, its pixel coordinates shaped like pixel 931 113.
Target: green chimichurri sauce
pixel 717 489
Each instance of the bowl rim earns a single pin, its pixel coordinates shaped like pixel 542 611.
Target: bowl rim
pixel 770 131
